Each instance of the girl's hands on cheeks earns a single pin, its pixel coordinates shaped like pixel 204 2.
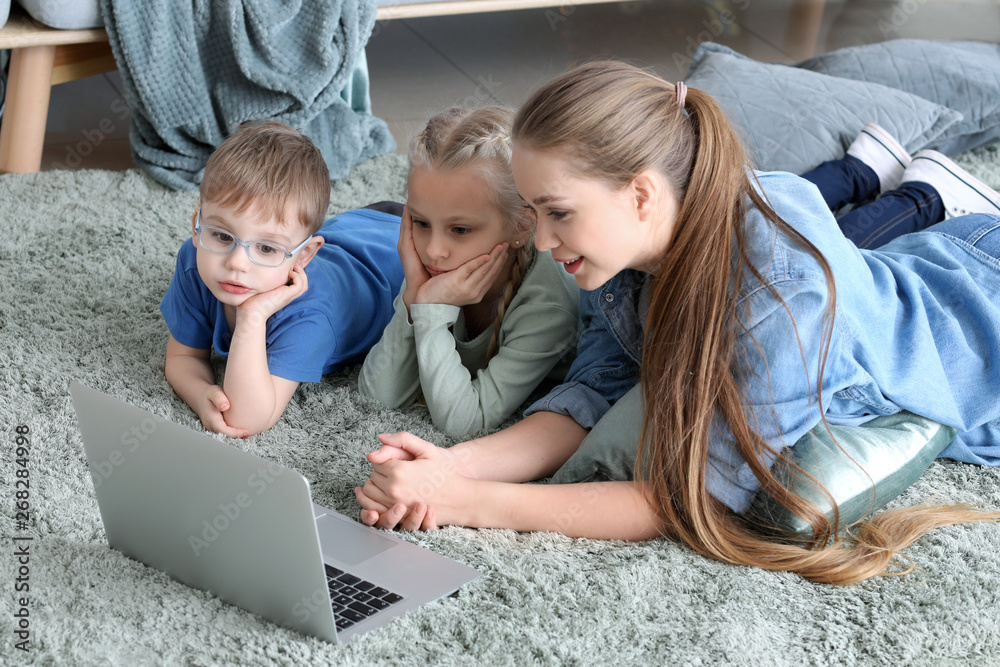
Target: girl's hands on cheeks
pixel 210 410
pixel 467 284
pixel 413 484
pixel 413 269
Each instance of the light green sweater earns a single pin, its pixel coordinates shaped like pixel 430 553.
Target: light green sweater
pixel 464 394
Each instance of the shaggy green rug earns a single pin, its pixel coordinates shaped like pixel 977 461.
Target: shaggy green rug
pixel 84 260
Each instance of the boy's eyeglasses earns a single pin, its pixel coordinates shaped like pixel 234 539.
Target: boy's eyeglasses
pixel 262 253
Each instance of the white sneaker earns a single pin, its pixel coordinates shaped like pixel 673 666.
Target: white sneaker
pixel 961 193
pixel 879 150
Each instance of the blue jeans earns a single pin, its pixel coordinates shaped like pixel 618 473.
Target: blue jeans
pixel 909 208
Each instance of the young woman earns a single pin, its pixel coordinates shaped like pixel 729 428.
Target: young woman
pixel 745 315
pixel 482 318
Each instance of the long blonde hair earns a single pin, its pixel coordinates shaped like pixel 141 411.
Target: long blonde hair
pixel 613 121
pixel 479 139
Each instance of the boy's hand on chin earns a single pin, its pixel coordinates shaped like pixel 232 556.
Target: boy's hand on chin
pixel 259 307
pixel 210 410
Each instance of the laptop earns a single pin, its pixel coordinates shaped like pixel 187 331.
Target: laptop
pixel 223 520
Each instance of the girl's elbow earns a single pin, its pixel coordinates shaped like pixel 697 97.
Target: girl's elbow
pixel 446 427
pixel 460 427
pixel 385 395
pixel 393 401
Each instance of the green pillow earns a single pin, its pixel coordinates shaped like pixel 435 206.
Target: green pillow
pixel 608 452
pixel 893 450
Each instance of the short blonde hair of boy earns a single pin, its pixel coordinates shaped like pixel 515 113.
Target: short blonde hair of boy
pixel 272 167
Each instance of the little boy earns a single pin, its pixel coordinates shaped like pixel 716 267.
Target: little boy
pixel 285 296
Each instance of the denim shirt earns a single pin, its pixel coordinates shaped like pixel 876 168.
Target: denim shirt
pixel 916 327
pixel 608 353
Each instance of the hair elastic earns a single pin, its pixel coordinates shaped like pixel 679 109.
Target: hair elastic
pixel 681 91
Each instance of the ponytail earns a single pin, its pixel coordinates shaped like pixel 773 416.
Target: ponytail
pixel 616 121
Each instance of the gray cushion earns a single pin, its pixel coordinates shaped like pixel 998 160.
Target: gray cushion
pixel 65 15
pixel 793 119
pixel 873 464
pixel 963 76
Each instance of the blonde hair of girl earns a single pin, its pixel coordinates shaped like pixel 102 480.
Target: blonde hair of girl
pixel 479 139
pixel 612 121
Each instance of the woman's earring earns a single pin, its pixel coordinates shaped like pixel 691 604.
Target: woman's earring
pixel 517 243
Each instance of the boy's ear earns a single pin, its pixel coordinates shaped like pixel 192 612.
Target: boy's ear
pixel 194 223
pixel 306 254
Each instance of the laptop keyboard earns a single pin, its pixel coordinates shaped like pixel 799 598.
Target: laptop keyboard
pixel 355 599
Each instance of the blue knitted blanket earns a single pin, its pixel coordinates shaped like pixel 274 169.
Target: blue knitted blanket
pixel 194 71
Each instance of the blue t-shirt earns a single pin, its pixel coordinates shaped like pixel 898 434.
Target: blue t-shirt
pixel 352 282
pixel 916 327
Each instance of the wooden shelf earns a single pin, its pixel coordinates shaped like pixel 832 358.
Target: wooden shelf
pixel 42 57
pixel 22 31
pixel 445 8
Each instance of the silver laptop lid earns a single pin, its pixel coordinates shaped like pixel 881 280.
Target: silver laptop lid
pixel 172 498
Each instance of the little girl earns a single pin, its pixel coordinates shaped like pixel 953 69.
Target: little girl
pixel 481 318
pixel 746 317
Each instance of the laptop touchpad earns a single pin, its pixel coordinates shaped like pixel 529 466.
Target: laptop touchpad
pixel 349 542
